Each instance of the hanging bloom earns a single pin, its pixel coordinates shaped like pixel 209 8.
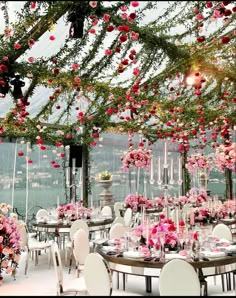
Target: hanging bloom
pixel 196 162
pixel 225 157
pixel 17 46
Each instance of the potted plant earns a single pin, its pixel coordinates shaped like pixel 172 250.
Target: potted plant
pixel 105 175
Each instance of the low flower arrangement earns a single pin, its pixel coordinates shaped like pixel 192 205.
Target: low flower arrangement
pixel 196 196
pixel 136 201
pixel 197 162
pixel 9 242
pixel 208 215
pixel 137 158
pixel 225 157
pixel 73 211
pixel 163 232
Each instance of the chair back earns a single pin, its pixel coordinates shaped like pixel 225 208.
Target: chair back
pixel 173 215
pixel 137 220
pixel 78 224
pixel 57 266
pixel 80 246
pixel 222 231
pixel 24 236
pixel 117 207
pixel 119 219
pixel 42 213
pixel 97 276
pixel 128 217
pixel 106 211
pixel 117 231
pixel 172 283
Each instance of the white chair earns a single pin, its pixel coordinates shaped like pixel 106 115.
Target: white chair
pixel 117 231
pixel 76 225
pixel 178 278
pixel 98 279
pixel 117 207
pixel 42 214
pixel 106 211
pixel 136 220
pixel 119 219
pixel 72 287
pixel 222 231
pixel 80 248
pixel 128 217
pixel 32 245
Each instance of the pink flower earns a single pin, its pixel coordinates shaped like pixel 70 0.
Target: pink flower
pixel 134 3
pixel 17 46
pixel 108 52
pixel 75 66
pixel 106 17
pixel 93 4
pixel 136 71
pixel 52 37
pixel 134 35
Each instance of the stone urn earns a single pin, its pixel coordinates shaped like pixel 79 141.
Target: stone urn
pixel 106 196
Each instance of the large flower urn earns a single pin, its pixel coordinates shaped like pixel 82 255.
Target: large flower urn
pixel 106 196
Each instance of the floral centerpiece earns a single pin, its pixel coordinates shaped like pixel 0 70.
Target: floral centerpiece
pixel 73 211
pixel 197 162
pixel 225 157
pixel 205 214
pixel 196 196
pixel 163 233
pixel 135 201
pixel 138 158
pixel 9 242
pixel 105 175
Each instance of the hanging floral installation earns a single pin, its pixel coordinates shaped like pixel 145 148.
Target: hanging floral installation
pixel 180 85
pixel 225 157
pixel 136 158
pixel 197 162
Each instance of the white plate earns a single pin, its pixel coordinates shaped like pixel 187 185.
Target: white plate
pixel 133 255
pixel 97 220
pixel 108 248
pixel 213 254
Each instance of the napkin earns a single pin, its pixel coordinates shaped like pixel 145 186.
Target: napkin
pixel 108 248
pixel 213 254
pixel 133 254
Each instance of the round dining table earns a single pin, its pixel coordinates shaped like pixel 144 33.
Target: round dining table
pixel 94 225
pixel 115 260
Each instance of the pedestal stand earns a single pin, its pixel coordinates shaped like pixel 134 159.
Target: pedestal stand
pixel 106 197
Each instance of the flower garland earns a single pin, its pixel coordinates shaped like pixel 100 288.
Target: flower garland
pixel 137 158
pixel 198 162
pixel 135 201
pixel 225 157
pixel 9 242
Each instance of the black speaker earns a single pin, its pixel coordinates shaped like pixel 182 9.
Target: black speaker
pixel 76 152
